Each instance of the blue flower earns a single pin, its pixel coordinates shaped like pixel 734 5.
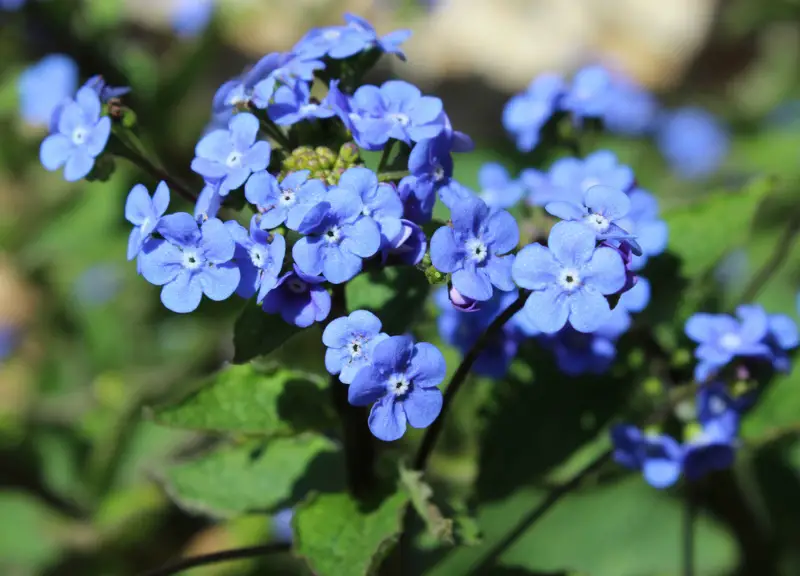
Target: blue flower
pixel 658 456
pixel 378 201
pixel 643 223
pixel 600 210
pixel 144 213
pixel 259 256
pixel 337 237
pixel 299 298
pixel 395 110
pixel 255 86
pixel 781 336
pixel 590 93
pixel 569 279
pixel 82 135
pixel 526 113
pixel 287 202
pixel 190 17
pixel 230 156
pixel 713 445
pixel 721 338
pixel 282 525
pixel 103 90
pixel 631 110
pixel 339 42
pixel 462 329
pixel 569 178
pixel 475 250
pixel 431 163
pixel 294 105
pixel 693 142
pixel 9 336
pixel 11 5
pixel 350 341
pixel 45 85
pixel 208 202
pixel 455 193
pixel 637 298
pixel 499 190
pixel 190 262
pixel 402 383
pixel 388 43
pixel 418 199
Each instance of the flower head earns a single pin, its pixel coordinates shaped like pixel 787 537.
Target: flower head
pixel 631 110
pixel 526 113
pixel 350 341
pixel 45 85
pixel 104 91
pixel 658 456
pixel 569 279
pixel 294 104
pixel 144 213
pixel 299 298
pixel 402 383
pixel 230 156
pixel 475 250
pixel 338 236
pixel 499 190
pixel 569 178
pixel 693 142
pixel 590 93
pixel 340 42
pixel 259 256
pixel 190 262
pixel 81 136
pixel 379 201
pixel 287 202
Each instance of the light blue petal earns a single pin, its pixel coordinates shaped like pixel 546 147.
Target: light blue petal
pixel 243 129
pixel 78 165
pixel 365 322
pixel 307 254
pixel 446 255
pixel 208 169
pixel 54 151
pixel 360 180
pixel 180 228
pixel 219 282
pixel 499 270
pixel 339 265
pixel 216 146
pixel 257 158
pixel 362 238
pixel 611 203
pixel 89 102
pixel 571 243
pixel 160 264
pixel 367 387
pixel 135 243
pixel 70 118
pixel 427 367
pixel 138 205
pixel 548 310
pixel 605 271
pixel 422 407
pixel 473 283
pixel 161 199
pixel 387 420
pixel 701 327
pixel 535 268
pixel 183 294
pixel 98 137
pixel 337 333
pixel 393 354
pixel 502 232
pixel 335 360
pixel 589 310
pixel 661 473
pixel 565 210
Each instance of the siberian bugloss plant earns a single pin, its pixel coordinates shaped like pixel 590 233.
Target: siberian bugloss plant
pixel 313 189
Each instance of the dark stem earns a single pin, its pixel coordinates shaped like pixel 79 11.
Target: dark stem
pixel 488 562
pixel 276 133
pixel 359 447
pixel 387 150
pixel 435 429
pixel 775 261
pixel 689 514
pixel 215 557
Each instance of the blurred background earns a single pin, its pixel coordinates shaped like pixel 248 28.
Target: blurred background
pixel 85 343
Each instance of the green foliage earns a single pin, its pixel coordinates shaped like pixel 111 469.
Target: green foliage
pixel 337 535
pixel 421 494
pixel 257 333
pixel 31 535
pixel 256 476
pixel 246 399
pixel 396 295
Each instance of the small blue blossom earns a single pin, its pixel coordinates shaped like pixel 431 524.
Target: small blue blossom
pixel 631 110
pixel 259 256
pixel 81 137
pixel 292 105
pixel 721 338
pixel 379 201
pixel 230 156
pixel 190 262
pixel 658 456
pixel 395 110
pixel 45 85
pixel 498 189
pixel 693 142
pixel 282 525
pixel 644 224
pixel 569 279
pixel 11 5
pixel 401 384
pixel 782 334
pixel 638 297
pixel 337 237
pixel 569 178
pixel 190 17
pixel 526 113
pixel 350 341
pixel 287 202
pixel 418 199
pixel 144 213
pixel 388 43
pixel 241 91
pixel 590 93
pixel 339 42
pixel 476 249
pixel 299 298
pixel 713 446
pixel 9 336
pixel 208 202
pixel 104 91
pixel 455 193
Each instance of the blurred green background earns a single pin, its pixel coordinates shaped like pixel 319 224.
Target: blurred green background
pixel 83 471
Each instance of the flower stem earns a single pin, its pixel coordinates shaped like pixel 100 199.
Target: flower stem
pixel 275 133
pixel 458 379
pixel 215 557
pixel 387 151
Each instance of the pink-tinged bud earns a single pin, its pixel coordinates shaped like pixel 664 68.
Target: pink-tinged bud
pixel 461 302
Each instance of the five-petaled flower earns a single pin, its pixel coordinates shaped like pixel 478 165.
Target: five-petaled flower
pixel 299 298
pixel 230 156
pixel 350 341
pixel 569 279
pixel 82 136
pixel 144 213
pixel 475 250
pixel 287 202
pixel 190 262
pixel 259 256
pixel 401 384
pixel 379 201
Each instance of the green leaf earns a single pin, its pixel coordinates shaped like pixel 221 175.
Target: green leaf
pixel 336 535
pixel 257 333
pixel 623 529
pixel 420 494
pixel 29 533
pixel 248 400
pixel 254 476
pixel 396 295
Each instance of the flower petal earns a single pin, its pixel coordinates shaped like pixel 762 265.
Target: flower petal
pixel 89 103
pixel 243 129
pixel 427 367
pixel 535 268
pixel 339 265
pixel 498 269
pixel 548 310
pixel 216 146
pixel 307 254
pixel 98 137
pixel 55 151
pixel 422 407
pixel 219 282
pixel 364 322
pixel 588 310
pixel 501 232
pixel 180 228
pixel 360 180
pixel 446 255
pixel 78 165
pixel 571 243
pixel 605 271
pixel 337 333
pixel 473 283
pixel 138 205
pixel 362 238
pixel 183 294
pixel 367 387
pixel 610 202
pixel 565 210
pixel 217 243
pixel 393 354
pixel 387 420
pixel 161 263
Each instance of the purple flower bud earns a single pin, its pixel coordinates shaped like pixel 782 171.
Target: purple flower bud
pixel 461 302
pixel 409 247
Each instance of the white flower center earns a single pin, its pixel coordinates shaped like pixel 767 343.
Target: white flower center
pixel 79 135
pixel 598 222
pixel 717 405
pixel 356 347
pixel 730 341
pixel 366 211
pixel 296 285
pixel 476 250
pixel 399 118
pixel 258 256
pixel 399 384
pixel 589 182
pixel 332 235
pixel 287 197
pixel 191 259
pixel 234 160
pixel 438 173
pixel 569 279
